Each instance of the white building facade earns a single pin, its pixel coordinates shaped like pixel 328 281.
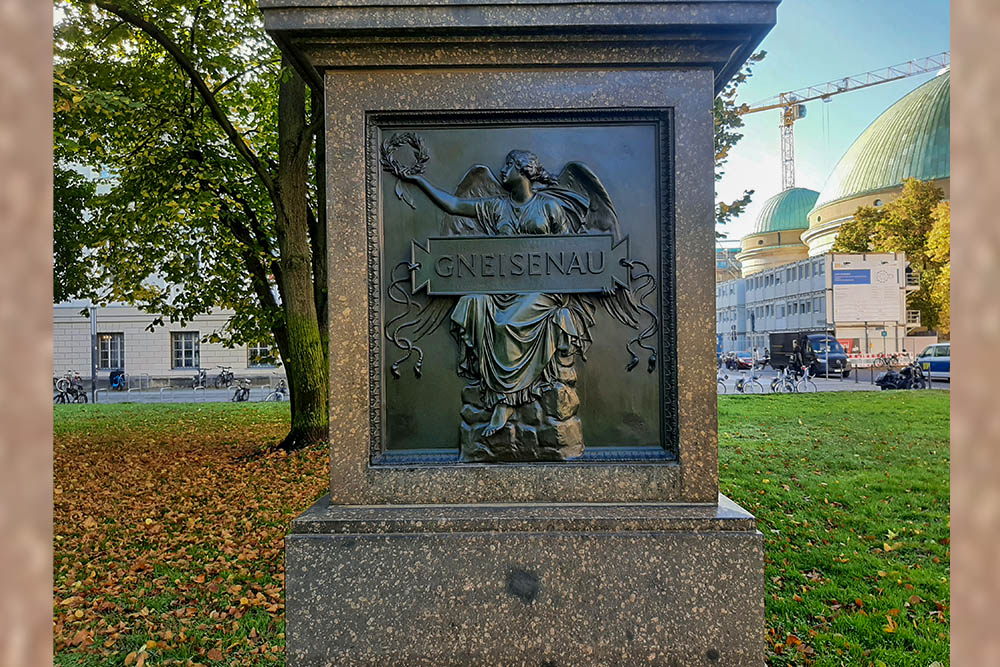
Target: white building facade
pixel 168 355
pixel 793 298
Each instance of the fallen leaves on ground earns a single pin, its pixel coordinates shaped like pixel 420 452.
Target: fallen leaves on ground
pixel 169 527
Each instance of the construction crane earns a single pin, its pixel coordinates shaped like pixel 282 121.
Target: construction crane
pixel 792 104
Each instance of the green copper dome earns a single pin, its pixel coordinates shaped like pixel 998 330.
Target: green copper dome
pixel 911 139
pixel 786 210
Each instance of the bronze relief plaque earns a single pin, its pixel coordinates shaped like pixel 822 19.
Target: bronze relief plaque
pixel 521 270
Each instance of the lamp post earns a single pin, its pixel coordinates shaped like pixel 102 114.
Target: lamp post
pixel 93 354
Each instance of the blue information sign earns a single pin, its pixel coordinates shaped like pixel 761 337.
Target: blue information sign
pixel 852 277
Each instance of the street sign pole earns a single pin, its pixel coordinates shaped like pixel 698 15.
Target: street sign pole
pixel 93 354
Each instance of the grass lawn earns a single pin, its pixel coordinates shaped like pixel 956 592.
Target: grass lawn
pixel 169 522
pixel 851 492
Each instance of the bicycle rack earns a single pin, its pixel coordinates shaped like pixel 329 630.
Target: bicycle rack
pixel 163 389
pixel 97 395
pixel 144 380
pixel 196 393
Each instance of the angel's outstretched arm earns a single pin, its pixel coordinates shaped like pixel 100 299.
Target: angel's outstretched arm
pixel 448 203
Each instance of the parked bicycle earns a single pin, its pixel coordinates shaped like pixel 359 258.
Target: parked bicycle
pixel 225 378
pixel 200 379
pixel 805 385
pixel 69 388
pixel 720 381
pixel 892 359
pixel 782 383
pixel 242 391
pixel 749 385
pixel 279 393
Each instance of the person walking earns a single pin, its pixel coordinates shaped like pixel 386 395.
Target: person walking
pixel 798 358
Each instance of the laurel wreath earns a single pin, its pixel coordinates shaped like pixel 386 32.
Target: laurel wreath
pixel 394 166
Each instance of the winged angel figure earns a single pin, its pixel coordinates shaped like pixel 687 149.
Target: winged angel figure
pixel 513 345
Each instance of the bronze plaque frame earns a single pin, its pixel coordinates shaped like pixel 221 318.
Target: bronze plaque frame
pixel 662 120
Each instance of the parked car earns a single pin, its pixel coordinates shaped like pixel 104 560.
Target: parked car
pixel 935 361
pixel 742 361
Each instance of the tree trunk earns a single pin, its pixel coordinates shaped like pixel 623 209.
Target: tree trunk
pixel 317 226
pixel 305 363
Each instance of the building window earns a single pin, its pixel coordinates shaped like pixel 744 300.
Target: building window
pixel 795 307
pixel 185 349
pixel 260 356
pixel 817 304
pixel 806 307
pixel 111 351
pixel 822 268
pixel 781 311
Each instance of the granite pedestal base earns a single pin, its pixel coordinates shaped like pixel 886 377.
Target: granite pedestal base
pixel 539 585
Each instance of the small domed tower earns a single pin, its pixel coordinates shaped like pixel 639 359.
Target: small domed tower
pixel 775 237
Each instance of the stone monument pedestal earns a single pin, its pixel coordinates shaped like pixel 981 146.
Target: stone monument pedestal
pixel 543 585
pixel 588 528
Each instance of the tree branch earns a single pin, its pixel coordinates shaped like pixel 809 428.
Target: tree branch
pixel 198 82
pixel 256 268
pixel 239 75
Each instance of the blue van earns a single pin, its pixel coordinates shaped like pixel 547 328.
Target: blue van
pixel 936 361
pixel 827 348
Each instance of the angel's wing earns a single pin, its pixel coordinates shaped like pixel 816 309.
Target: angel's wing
pixel 478 183
pixel 601 217
pixel 624 304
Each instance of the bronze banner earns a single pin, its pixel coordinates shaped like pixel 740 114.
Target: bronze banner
pixel 555 264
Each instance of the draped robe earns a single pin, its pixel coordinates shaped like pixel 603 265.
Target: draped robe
pixel 511 343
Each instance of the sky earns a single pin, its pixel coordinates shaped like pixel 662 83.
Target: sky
pixel 816 41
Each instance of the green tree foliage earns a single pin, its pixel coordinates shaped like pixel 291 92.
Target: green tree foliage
pixel 71 234
pixel 939 251
pixel 210 201
pixel 728 121
pixel 917 223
